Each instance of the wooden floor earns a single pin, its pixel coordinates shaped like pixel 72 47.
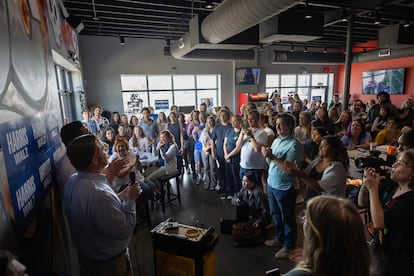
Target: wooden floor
pixel 205 207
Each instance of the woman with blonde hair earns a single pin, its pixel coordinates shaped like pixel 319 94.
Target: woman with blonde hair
pixel 167 161
pixel 303 130
pixel 138 142
pixel 162 120
pixel 335 243
pixel 209 163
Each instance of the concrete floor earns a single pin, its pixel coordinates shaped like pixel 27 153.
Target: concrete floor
pixel 205 207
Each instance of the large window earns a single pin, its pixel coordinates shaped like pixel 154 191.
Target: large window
pixel 308 86
pixel 162 91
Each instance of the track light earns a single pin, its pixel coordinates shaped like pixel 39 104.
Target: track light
pixel 209 5
pixel 261 47
pixel 406 23
pixel 308 14
pixel 325 50
pixel 292 48
pixel 364 51
pixel 121 40
pixel 306 49
pixel 344 15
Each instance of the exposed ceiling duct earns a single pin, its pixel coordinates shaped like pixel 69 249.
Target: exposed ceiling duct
pixel 193 46
pixel 396 35
pixel 375 55
pixel 235 16
pixel 284 57
pixel 292 26
pixel 231 19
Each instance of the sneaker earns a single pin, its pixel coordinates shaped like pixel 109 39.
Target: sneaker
pixel 206 186
pixel 199 181
pixel 282 253
pixel 223 197
pixel 272 243
pixel 211 188
pixel 229 197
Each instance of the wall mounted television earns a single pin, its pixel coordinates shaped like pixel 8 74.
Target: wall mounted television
pixel 247 76
pixel 387 80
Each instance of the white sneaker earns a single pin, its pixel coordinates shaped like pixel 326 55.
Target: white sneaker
pixel 272 243
pixel 282 253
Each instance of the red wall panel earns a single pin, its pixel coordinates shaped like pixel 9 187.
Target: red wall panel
pixel 356 78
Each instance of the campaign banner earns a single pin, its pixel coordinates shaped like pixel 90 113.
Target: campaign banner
pixel 161 104
pixel 29 148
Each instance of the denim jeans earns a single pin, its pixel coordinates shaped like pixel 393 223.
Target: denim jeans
pixel 282 209
pixel 232 178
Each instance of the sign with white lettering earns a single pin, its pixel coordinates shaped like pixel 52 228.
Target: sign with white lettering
pixel 161 104
pixel 29 145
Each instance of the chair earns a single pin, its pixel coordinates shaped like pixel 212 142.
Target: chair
pixel 165 189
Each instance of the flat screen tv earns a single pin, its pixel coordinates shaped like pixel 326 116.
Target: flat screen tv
pixel 247 76
pixel 387 80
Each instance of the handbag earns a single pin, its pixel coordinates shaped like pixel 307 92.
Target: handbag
pixel 246 234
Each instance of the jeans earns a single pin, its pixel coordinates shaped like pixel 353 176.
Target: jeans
pixel 282 209
pixel 210 169
pixel 232 178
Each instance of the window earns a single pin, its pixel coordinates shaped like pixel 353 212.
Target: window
pixel 308 86
pixel 162 91
pixel 65 88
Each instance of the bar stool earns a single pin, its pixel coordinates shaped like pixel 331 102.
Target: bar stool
pixel 166 189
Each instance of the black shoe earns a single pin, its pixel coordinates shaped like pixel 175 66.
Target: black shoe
pixel 220 191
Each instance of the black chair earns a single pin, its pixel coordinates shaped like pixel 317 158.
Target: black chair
pixel 166 189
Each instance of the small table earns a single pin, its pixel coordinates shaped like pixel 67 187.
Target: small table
pixel 148 160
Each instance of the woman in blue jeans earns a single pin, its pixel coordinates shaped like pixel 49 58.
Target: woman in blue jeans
pixel 280 191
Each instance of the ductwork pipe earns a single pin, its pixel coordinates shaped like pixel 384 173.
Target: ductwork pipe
pixel 373 55
pixel 235 16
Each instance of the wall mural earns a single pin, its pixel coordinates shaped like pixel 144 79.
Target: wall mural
pixel 28 88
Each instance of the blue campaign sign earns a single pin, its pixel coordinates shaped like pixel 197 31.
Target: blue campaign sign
pixel 28 148
pixel 161 104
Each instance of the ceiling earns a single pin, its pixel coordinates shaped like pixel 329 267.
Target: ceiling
pixel 169 19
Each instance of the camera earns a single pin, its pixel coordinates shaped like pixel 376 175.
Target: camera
pixel 371 162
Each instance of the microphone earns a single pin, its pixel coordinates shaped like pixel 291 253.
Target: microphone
pixel 132 177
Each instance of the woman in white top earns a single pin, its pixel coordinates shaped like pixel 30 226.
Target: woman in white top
pixel 121 152
pixel 162 120
pixel 303 130
pixel 209 163
pixel 167 163
pixel 139 142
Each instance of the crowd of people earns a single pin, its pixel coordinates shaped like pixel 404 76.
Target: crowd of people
pixel 266 155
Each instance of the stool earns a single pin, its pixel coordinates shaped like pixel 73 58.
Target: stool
pixel 164 181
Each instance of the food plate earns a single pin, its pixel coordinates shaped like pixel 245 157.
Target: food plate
pixel 192 233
